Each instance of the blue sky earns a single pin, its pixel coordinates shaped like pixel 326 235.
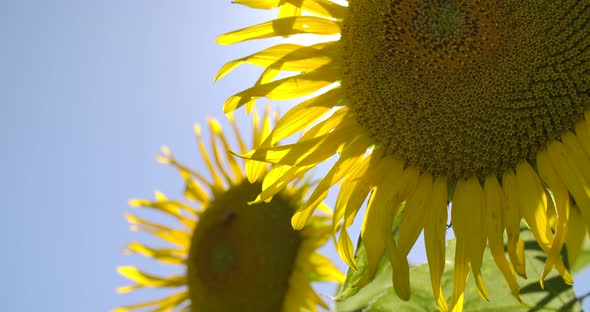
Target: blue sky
pixel 89 91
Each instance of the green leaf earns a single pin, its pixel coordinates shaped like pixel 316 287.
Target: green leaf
pixel 378 295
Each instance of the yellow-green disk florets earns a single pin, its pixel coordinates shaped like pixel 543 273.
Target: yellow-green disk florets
pixel 464 88
pixel 241 255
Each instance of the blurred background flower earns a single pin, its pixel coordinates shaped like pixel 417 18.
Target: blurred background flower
pixel 232 255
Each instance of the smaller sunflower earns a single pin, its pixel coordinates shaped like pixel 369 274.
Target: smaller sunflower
pixel 235 256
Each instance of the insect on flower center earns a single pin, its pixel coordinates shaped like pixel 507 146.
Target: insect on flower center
pixel 467 87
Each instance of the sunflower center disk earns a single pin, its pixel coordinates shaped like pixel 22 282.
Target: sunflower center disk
pixel 466 88
pixel 242 256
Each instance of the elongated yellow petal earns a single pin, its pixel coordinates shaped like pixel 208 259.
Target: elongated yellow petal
pixel 277 179
pixel 308 152
pixel 320 7
pixel 230 158
pixel 287 9
pixel 164 255
pixel 435 230
pixel 255 169
pixel 410 228
pixel 512 223
pixel 381 209
pixel 284 89
pixel 345 248
pixel 338 118
pixel 307 58
pixel 576 154
pixel 561 202
pixel 149 280
pixel 355 188
pixel 533 204
pixel 570 175
pixel 494 202
pixel 282 27
pixel 205 155
pixel 169 207
pixel 262 58
pixel 325 269
pixel 163 304
pixel 353 191
pixel 347 160
pixel 303 115
pixel 171 235
pixel 401 269
pixel 467 216
pixel 236 132
pixel 185 172
pixel 414 213
pixel 215 129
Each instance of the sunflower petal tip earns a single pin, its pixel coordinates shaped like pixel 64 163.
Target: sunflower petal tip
pixel 197 129
pixel 297 221
pixel 215 125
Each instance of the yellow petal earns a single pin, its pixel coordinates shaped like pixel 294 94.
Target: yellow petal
pixel 287 9
pixel 345 248
pixel 401 270
pixel 343 165
pixel 230 158
pixel 285 89
pixel 576 154
pixel 303 115
pixel 533 203
pixel 512 223
pixel 561 202
pixel 410 228
pixel 435 230
pixel 467 217
pixel 171 235
pixel 311 151
pixel 569 173
pixel 149 280
pixel 164 255
pixel 262 58
pixel 413 214
pixel 320 7
pixel 282 27
pixel 236 132
pixel 277 179
pixel 494 202
pixel 325 269
pixel 216 130
pixel 381 209
pixel 205 155
pixel 365 179
pixel 162 304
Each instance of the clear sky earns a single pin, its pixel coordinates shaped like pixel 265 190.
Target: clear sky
pixel 89 91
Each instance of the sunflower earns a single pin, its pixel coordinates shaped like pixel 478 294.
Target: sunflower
pixel 483 105
pixel 235 257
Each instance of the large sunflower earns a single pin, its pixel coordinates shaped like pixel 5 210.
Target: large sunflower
pixel 235 257
pixel 482 104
